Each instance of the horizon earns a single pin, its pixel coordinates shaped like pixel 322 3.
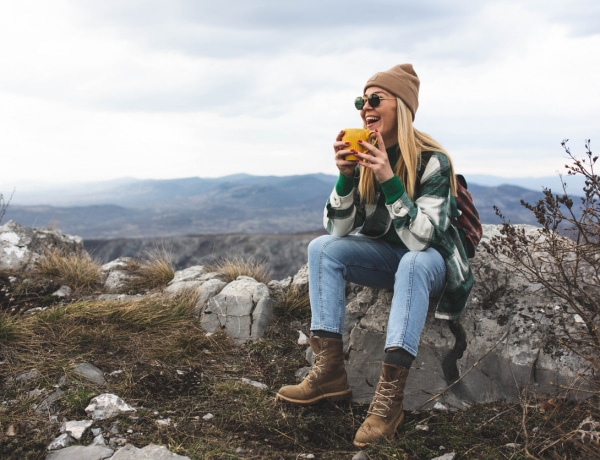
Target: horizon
pixel 51 191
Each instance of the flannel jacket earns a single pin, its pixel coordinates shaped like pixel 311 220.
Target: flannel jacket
pixel 417 224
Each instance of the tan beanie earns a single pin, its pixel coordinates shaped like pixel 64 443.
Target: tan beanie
pixel 402 81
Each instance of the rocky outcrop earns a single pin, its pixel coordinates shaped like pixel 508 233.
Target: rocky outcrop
pixel 21 246
pixel 513 332
pixel 513 329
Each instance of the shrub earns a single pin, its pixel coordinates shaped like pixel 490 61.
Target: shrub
pixel 4 204
pixel 564 255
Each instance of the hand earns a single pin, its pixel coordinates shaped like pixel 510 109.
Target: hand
pixel 340 151
pixel 376 159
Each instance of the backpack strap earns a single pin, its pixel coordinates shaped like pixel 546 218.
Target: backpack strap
pixel 449 365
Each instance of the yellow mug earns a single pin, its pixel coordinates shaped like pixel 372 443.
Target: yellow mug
pixel 353 135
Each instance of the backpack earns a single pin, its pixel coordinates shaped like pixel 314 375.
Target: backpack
pixel 468 220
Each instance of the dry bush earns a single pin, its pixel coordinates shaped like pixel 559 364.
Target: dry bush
pixel 76 270
pixel 153 272
pixel 234 266
pixel 4 204
pixel 563 256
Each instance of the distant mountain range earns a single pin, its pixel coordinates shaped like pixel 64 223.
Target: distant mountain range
pixel 131 208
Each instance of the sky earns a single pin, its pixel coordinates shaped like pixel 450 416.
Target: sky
pixel 94 90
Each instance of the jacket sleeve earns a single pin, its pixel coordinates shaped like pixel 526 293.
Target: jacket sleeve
pixel 342 211
pixel 422 222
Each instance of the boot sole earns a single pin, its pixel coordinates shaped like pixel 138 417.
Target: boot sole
pixel 338 396
pixel 394 434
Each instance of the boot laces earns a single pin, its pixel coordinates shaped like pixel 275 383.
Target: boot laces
pixel 383 398
pixel 317 368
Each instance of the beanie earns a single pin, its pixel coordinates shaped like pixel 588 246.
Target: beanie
pixel 402 81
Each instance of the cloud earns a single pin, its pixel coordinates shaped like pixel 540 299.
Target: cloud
pixel 159 88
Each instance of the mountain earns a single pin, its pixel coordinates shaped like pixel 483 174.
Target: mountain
pixel 241 204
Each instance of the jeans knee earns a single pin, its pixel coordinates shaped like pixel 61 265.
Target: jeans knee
pixel 316 246
pixel 422 264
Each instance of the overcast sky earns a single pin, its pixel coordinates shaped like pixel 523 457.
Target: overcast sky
pixel 102 89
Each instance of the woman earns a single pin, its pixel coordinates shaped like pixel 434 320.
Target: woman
pixel 401 196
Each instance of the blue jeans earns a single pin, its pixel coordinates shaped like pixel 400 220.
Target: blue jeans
pixel 415 276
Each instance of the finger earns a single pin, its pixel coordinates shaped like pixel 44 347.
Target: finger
pixel 337 146
pixel 380 142
pixel 340 135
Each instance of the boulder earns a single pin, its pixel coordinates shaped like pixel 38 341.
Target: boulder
pixel 513 333
pixel 21 247
pixel 243 309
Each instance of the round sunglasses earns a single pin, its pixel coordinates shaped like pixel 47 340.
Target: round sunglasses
pixel 374 100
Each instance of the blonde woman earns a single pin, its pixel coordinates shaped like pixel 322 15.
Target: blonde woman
pixel 400 195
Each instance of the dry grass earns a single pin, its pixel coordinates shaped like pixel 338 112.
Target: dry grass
pixel 235 266
pixel 153 272
pixel 155 355
pixel 293 303
pixel 76 270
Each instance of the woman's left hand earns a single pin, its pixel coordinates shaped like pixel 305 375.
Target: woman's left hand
pixel 376 159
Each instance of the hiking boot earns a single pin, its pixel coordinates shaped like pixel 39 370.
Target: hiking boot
pixel 385 413
pixel 326 379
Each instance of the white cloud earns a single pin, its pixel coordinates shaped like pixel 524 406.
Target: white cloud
pixel 97 90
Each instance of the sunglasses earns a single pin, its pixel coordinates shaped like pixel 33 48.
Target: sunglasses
pixel 374 100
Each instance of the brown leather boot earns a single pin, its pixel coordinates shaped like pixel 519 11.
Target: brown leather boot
pixel 326 379
pixel 386 412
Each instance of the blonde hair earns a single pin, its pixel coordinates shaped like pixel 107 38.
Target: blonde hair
pixel 411 143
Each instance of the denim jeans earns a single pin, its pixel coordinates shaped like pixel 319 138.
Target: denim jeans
pixel 415 277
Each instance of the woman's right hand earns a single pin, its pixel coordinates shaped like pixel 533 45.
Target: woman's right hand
pixel 339 147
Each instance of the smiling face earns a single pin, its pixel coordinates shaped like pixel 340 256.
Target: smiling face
pixel 383 117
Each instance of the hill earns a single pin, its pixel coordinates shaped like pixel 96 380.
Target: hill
pixel 196 206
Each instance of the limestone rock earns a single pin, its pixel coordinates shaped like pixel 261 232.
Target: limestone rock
pixel 150 452
pixel 81 452
pixel 21 247
pixel 106 406
pixel 243 309
pixel 512 331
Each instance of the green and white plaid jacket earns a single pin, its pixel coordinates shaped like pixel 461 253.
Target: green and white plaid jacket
pixel 415 224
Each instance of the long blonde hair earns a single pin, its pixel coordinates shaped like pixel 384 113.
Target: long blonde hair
pixel 411 143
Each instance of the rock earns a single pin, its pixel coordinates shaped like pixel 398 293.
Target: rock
pixel 46 405
pixel 22 378
pixel 63 292
pixel 81 452
pixel 448 456
pixel 150 452
pixel 76 429
pixel 62 441
pixel 259 385
pixel 114 274
pixel 243 309
pixel 90 373
pixel 21 247
pixel 106 406
pixel 300 279
pixel 206 284
pixel 498 362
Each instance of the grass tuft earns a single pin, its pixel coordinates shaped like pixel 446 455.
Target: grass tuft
pixel 153 272
pixel 76 270
pixel 235 266
pixel 292 303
